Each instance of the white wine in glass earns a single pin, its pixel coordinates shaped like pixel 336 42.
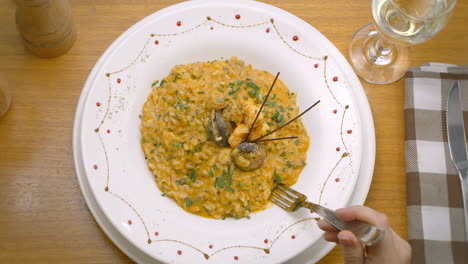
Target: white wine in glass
pixel 380 52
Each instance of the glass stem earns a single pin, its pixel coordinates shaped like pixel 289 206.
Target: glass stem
pixel 379 51
pixel 382 47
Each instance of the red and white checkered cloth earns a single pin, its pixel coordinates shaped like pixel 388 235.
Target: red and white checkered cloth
pixel 436 227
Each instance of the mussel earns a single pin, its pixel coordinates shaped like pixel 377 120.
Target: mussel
pixel 219 129
pixel 249 156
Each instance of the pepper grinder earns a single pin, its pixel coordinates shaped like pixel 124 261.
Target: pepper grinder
pixel 46 26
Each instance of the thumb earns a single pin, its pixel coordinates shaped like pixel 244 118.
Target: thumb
pixel 353 253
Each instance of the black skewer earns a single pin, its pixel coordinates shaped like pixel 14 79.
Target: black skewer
pixel 290 121
pixel 281 138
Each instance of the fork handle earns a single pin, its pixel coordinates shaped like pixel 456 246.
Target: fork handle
pixel 368 234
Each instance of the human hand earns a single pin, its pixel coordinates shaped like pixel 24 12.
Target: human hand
pixel 391 249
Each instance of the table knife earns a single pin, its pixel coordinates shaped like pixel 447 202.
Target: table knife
pixel 457 143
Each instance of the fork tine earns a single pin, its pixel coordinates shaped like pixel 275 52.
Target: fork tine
pixel 288 189
pixel 283 192
pixel 282 198
pixel 281 204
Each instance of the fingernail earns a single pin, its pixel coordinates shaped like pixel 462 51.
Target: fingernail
pixel 344 241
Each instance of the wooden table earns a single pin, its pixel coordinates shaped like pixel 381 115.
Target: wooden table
pixel 43 216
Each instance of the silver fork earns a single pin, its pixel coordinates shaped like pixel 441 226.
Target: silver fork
pixel 291 200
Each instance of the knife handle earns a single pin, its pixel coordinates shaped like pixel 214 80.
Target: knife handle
pixel 464 186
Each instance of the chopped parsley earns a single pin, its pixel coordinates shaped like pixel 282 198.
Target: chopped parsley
pixel 188 202
pixel 154 83
pixel 289 164
pixel 254 91
pixel 276 177
pixel 278 117
pixel 225 180
pixel 162 83
pixel 180 181
pixel 296 142
pixel 233 91
pixel 270 103
pixel 177 76
pixel 220 181
pixel 192 175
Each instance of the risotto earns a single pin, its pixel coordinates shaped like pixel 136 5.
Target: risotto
pixel 196 168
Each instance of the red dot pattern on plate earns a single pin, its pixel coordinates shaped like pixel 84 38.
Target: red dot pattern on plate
pixel 265 241
pixel 335 111
pixel 211 28
pixel 129 222
pixel 98 104
pixel 156 233
pixel 210 246
pixel 118 80
pixel 349 131
pixel 237 16
pixel 335 79
pixel 316 65
pixel 311 211
pixel 108 131
pixel 179 252
pixel 156 42
pixel 338 149
pixel 267 30
pixel 337 179
pixel 179 23
pixel 293 237
pixel 95 167
pixel 236 257
pixel 295 38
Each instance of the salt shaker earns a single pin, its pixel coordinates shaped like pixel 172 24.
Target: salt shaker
pixel 5 98
pixel 46 26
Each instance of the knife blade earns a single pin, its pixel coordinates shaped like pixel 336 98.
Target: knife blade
pixel 457 143
pixel 456 128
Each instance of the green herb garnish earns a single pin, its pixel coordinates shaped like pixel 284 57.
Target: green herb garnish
pixel 192 175
pixel 180 181
pixel 177 76
pixel 154 83
pixel 276 177
pixel 188 202
pixel 278 117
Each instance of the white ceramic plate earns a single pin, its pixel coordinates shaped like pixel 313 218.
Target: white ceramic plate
pixel 110 164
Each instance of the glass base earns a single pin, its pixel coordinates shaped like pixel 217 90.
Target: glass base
pixel 375 59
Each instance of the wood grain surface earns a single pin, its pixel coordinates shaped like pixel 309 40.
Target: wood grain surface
pixel 43 216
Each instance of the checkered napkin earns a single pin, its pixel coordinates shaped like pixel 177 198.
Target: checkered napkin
pixel 436 227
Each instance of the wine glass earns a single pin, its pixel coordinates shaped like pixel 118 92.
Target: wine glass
pixel 379 52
